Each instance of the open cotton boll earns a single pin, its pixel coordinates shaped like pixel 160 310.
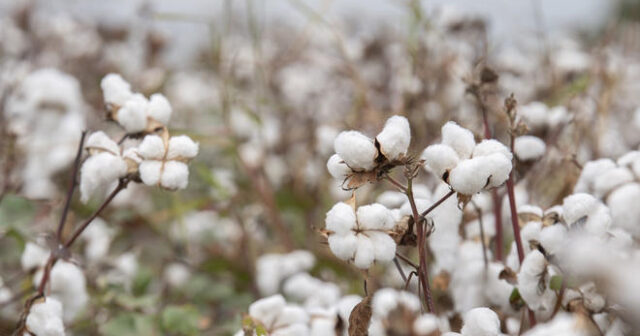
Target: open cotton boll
pixel 458 138
pixel 552 238
pixel 481 322
pixel 273 268
pixel 115 89
pixel 150 172
pixel 469 176
pixel 100 140
pixel 498 167
pixel 176 274
pixel 45 318
pixel 576 206
pixel 375 217
pixel 384 246
pixel 98 238
pixel 391 199
pixel 343 246
pixel 337 168
pixel 365 252
pixel 151 148
pixel 439 159
pixel 611 179
pixel 33 256
pixel 529 277
pixel 386 300
pixel 425 324
pixel 175 175
pixel 395 138
pixel 98 173
pixel 341 219
pixel 267 310
pixel 490 146
pixel 563 324
pixel 356 149
pixel 182 147
pixel 590 172
pixel 625 211
pixel 312 292
pixel 534 114
pixel 132 116
pixel 159 108
pixel 529 147
pixel 68 285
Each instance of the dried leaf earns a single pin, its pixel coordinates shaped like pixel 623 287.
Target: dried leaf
pixel 360 318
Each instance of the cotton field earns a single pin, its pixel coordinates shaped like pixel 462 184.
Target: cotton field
pixel 330 175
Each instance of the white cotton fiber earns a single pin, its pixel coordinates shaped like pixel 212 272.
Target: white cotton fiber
pixel 490 146
pixel 340 219
pixel 357 150
pixel 365 252
pixel 458 138
pixel 343 246
pixel 115 89
pixel 375 217
pixel 337 168
pixel 384 246
pixel 175 175
pixel 395 138
pixel 481 322
pixel 159 108
pixel 99 140
pixel 150 172
pixel 182 147
pixel 576 206
pixel 45 318
pixel 440 158
pixel 98 173
pixel 611 179
pixel 151 148
pixel 33 256
pixel 529 147
pixel 132 116
pixel 469 176
pixel 590 172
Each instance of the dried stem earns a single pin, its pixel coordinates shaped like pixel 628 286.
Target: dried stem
pixel 396 183
pixel 436 204
pixel 406 260
pixel 399 268
pixel 72 187
pixel 422 251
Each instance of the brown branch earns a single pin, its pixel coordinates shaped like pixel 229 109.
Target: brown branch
pixel 72 185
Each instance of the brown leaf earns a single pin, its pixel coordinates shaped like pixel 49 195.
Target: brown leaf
pixel 356 180
pixel 509 275
pixel 360 318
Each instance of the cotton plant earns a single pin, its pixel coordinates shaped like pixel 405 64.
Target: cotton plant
pixel 361 235
pixel 359 159
pixel 46 114
pixel 273 316
pixel 466 166
pixel 158 160
pixel 272 269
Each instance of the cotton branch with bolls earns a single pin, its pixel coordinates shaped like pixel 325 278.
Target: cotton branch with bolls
pixel 158 160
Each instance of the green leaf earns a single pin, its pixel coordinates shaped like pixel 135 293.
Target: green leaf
pixel 556 282
pixel 181 320
pixel 129 324
pixel 142 280
pixel 515 299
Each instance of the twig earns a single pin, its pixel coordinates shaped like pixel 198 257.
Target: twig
pixel 404 277
pixel 396 183
pixel 72 186
pixel 436 204
pixel 406 260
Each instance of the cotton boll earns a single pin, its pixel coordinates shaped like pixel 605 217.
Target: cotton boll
pixel 182 147
pixel 499 168
pixel 67 284
pixel 132 115
pixel 176 274
pixel 599 220
pixel 45 318
pixel 98 238
pixel 375 217
pixel 530 209
pixel 625 211
pixel 365 252
pixel 458 138
pixel 33 256
pixel 552 238
pixel 528 147
pixel 152 148
pixel 611 179
pixel 533 268
pixel 341 219
pixel 98 173
pixel 395 138
pixel 175 175
pixel 384 245
pixel 314 293
pixel 386 300
pixel 590 172
pixel 481 322
pixel 159 108
pixel 344 247
pixel 534 115
pixel 273 268
pixel 490 146
pixel 440 159
pixel 562 324
pixel 391 199
pixel 356 149
pixel 115 89
pixel 267 310
pixel 150 172
pixel 576 206
pixel 425 324
pixel 469 176
pixel 99 140
pixel 337 168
